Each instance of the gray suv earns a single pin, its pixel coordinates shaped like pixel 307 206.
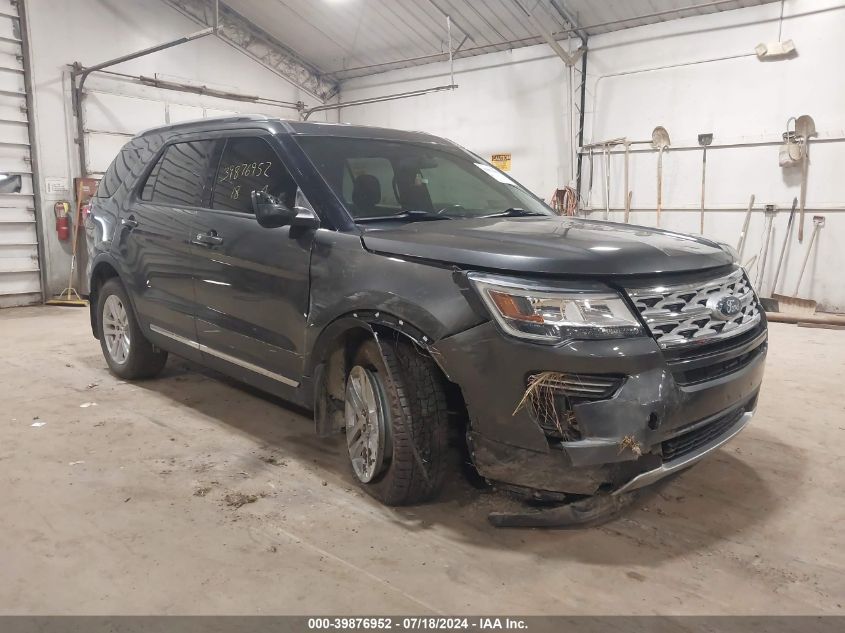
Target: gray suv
pixel 409 293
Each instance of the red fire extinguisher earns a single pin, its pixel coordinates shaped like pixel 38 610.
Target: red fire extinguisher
pixel 62 220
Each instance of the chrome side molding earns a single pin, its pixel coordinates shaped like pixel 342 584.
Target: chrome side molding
pixel 224 356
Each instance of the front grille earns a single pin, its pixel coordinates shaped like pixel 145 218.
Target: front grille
pixel 549 397
pixel 717 369
pixel 696 438
pixel 688 313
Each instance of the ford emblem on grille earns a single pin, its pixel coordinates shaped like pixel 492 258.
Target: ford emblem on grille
pixel 724 306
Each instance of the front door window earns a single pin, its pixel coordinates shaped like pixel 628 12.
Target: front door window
pixel 249 164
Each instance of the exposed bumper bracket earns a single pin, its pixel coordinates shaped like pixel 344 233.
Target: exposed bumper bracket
pixel 577 514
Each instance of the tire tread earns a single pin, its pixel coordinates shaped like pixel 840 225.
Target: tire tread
pixel 419 412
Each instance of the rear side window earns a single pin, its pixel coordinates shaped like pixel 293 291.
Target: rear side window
pixel 181 175
pixel 117 172
pixel 249 164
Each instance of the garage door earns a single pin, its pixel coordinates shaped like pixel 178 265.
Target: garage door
pixel 111 119
pixel 20 277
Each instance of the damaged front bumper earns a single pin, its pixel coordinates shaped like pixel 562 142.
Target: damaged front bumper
pixel 676 465
pixel 667 413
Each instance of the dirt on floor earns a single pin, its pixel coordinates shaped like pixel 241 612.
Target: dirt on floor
pixel 192 494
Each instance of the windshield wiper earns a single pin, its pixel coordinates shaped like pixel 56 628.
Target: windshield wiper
pixel 513 212
pixel 410 214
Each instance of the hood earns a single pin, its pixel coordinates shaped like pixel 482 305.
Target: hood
pixel 551 245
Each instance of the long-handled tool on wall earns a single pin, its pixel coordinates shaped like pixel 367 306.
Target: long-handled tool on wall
pixel 627 190
pixel 770 303
pixel 785 241
pixel 794 304
pixel 604 147
pixel 704 140
pixel 606 182
pixel 659 141
pixel 805 127
pixel 761 270
pixel 85 188
pixel 740 246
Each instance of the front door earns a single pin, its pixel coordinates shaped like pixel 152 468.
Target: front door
pixel 251 283
pixel 154 237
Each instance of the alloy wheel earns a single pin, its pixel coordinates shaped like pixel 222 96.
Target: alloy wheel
pixel 367 426
pixel 116 329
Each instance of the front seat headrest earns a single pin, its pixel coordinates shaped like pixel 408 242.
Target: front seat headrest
pixel 366 193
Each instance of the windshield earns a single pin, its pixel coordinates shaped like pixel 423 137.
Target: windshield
pixel 379 179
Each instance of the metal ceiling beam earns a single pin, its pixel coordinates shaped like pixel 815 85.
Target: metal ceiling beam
pixel 360 71
pixel 245 36
pixel 458 53
pixel 563 12
pixel 568 59
pixel 446 14
pixel 657 14
pixel 391 97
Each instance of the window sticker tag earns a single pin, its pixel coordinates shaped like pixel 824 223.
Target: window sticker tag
pixel 495 174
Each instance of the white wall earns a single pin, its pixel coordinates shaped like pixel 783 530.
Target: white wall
pixel 91 31
pixel 692 76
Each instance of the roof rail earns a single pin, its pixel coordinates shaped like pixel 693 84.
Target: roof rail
pixel 211 120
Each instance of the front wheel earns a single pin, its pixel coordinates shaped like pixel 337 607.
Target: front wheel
pixel 128 353
pixel 396 422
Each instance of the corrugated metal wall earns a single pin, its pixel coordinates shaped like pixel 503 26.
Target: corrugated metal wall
pixel 20 270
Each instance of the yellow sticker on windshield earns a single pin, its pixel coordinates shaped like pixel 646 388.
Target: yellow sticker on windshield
pixel 502 161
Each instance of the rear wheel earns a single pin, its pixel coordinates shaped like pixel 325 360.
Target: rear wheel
pixel 128 354
pixel 396 422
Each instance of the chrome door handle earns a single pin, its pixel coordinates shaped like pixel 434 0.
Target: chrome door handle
pixel 131 222
pixel 207 239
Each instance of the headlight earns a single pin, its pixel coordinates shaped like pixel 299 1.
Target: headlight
pixel 543 314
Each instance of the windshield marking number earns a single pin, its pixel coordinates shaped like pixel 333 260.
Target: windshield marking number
pixel 232 173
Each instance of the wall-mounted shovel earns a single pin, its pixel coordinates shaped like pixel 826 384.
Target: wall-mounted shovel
pixel 796 305
pixel 770 303
pixel 703 140
pixel 805 127
pixel 659 141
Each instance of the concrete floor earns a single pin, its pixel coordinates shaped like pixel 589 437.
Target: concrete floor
pixel 117 504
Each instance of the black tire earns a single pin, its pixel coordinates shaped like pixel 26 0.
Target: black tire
pixel 143 360
pixel 418 417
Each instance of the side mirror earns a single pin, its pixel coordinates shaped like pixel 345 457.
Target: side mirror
pixel 271 213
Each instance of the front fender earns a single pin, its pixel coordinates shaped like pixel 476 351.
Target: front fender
pixel 372 321
pixel 347 279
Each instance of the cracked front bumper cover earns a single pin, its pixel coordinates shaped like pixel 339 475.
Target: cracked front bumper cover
pixel 676 465
pixel 510 447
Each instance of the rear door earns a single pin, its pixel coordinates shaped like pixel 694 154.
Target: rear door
pixel 251 283
pixel 154 240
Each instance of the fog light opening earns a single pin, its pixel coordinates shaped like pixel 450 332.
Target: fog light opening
pixel 653 421
pixel 550 406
